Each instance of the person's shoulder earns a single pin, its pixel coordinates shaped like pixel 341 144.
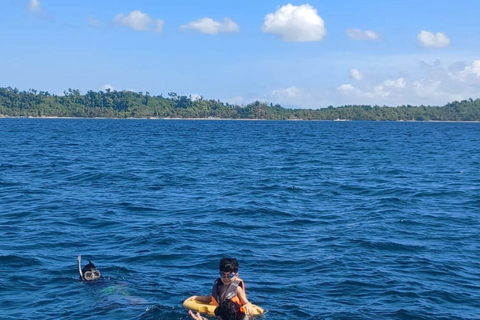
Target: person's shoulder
pixel 241 283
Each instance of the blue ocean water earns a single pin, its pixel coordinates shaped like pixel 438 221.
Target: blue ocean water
pixel 329 220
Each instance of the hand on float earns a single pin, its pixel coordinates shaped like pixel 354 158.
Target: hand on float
pixel 248 308
pixel 195 316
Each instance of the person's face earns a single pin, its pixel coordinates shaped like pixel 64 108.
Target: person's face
pixel 91 275
pixel 227 277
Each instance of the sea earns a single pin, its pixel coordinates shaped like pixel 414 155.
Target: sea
pixel 328 220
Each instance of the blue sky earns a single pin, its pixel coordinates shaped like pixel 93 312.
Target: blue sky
pixel 298 54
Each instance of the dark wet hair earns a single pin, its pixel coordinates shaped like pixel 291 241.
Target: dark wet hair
pixel 229 310
pixel 229 265
pixel 89 267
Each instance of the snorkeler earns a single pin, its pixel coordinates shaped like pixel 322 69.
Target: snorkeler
pixel 89 272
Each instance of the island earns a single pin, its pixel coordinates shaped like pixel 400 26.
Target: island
pixel 129 104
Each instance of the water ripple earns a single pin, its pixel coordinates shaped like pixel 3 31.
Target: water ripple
pixel 328 220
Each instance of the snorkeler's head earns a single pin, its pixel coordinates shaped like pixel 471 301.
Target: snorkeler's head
pixel 229 310
pixel 90 272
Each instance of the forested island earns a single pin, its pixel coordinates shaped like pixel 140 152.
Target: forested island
pixel 128 104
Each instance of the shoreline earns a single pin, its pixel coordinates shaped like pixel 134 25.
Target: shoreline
pixel 230 119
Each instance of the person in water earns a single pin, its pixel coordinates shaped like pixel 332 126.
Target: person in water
pixel 89 272
pixel 228 287
pixel 229 310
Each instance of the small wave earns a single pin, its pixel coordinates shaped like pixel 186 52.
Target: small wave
pixel 15 261
pixel 253 212
pixel 13 166
pixel 390 246
pixel 158 311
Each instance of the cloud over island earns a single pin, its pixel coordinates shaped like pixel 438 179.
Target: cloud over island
pixel 295 24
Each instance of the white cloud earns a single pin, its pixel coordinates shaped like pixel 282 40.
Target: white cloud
pixel 236 100
pixel 295 24
pixel 457 82
pixel 376 92
pixel 348 89
pixel 210 26
pixel 355 74
pixel 427 87
pixel 296 97
pixel 357 34
pixel 399 83
pixel 159 25
pixel 195 97
pixel 428 39
pixel 135 20
pixel 436 85
pixel 108 86
pixel 290 92
pixel 34 6
pixel 475 68
pixel 466 75
pixel 93 22
pixel 424 83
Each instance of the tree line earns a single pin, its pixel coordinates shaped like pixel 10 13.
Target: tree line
pixel 128 104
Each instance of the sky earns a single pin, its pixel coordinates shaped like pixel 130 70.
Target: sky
pixel 298 54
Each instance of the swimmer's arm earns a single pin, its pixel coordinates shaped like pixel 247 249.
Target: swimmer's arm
pixel 79 259
pixel 196 316
pixel 203 299
pixel 243 299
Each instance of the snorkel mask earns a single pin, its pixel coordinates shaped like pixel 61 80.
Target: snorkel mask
pixel 89 272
